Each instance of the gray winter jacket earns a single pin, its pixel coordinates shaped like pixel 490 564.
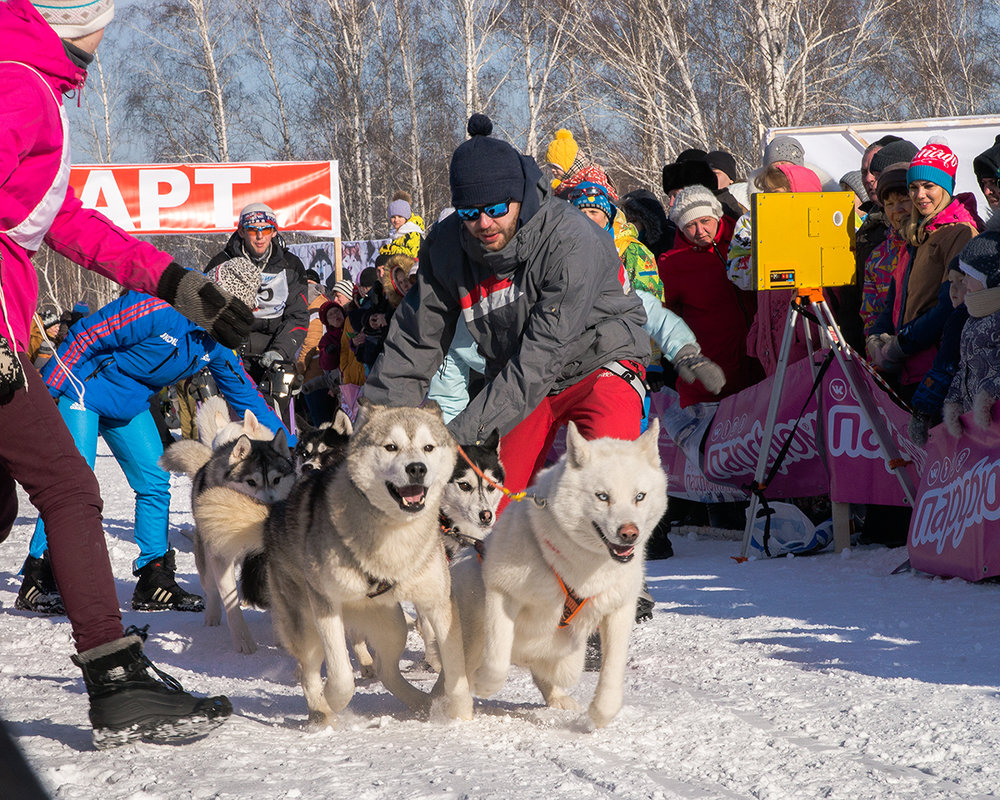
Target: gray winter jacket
pixel 546 311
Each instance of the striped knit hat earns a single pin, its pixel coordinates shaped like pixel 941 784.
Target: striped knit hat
pixel 71 19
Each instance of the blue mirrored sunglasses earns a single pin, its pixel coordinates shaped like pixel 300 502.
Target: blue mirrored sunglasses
pixel 492 211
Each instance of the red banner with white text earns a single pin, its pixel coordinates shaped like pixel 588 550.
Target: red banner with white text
pixel 207 198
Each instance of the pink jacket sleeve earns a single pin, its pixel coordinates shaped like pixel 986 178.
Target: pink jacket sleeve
pixel 93 241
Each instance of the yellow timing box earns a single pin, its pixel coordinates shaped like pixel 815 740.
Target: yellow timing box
pixel 803 240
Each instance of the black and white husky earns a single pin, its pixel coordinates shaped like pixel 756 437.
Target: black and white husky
pixel 469 504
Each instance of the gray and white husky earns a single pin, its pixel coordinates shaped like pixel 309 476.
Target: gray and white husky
pixel 558 568
pixel 259 470
pixel 350 544
pixel 469 504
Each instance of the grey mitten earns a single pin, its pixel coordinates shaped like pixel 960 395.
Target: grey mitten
pixel 919 425
pixel 225 318
pixel 982 408
pixel 270 358
pixel 692 366
pixel 952 413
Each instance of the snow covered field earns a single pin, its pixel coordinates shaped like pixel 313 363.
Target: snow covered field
pixel 820 677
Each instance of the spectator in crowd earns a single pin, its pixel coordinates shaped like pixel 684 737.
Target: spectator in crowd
pixel 673 338
pixel 46 333
pixel 852 182
pixel 538 286
pixel 906 336
pixel 102 377
pixel 644 211
pixel 986 166
pixel 891 256
pixel 724 166
pixel 976 383
pixel 41 62
pixel 281 315
pixel 563 157
pixel 307 362
pixel 406 229
pixel 696 288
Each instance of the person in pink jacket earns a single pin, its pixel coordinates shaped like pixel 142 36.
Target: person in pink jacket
pixel 45 49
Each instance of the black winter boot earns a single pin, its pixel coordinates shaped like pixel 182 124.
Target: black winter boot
pixel 158 591
pixel 127 703
pixel 38 591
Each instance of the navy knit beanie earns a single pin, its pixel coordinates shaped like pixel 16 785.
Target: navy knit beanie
pixel 485 170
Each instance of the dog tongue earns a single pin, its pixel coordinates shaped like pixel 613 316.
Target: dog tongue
pixel 412 495
pixel 624 550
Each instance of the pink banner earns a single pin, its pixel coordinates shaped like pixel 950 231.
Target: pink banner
pixel 953 531
pixel 732 445
pixel 858 470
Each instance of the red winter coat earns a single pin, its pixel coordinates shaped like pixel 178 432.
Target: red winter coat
pixel 695 287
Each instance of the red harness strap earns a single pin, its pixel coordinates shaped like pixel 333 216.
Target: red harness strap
pixel 571 604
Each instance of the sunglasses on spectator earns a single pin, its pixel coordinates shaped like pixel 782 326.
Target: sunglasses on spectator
pixel 261 228
pixel 492 211
pixel 590 192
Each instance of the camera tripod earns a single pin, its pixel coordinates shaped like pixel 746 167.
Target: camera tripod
pixel 803 300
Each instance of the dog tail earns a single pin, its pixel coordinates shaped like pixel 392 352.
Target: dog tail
pixel 185 456
pixel 212 416
pixel 230 524
pixel 253 580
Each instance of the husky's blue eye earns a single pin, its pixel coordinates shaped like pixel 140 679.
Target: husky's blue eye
pixel 640 497
pixel 602 496
pixel 391 448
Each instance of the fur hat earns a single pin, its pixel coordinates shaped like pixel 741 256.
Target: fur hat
pixel 258 214
pixel 239 277
pixel 892 153
pixel 722 161
pixel 694 202
pixel 936 163
pixel 853 179
pixel 400 208
pixel 484 170
pixel 784 148
pixel 892 179
pixel 344 287
pixel 980 258
pixel 688 172
pixel 563 150
pixel 71 19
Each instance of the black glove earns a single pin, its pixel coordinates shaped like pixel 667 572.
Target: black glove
pixel 11 373
pixel 225 318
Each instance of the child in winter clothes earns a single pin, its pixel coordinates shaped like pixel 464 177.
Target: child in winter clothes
pixel 406 229
pixel 906 336
pixel 890 256
pixel 976 384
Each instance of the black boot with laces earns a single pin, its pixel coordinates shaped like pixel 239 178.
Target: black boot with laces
pixel 38 590
pixel 158 591
pixel 127 703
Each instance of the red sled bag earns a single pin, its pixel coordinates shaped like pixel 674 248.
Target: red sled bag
pixel 954 530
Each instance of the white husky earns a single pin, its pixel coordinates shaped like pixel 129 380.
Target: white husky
pixel 561 566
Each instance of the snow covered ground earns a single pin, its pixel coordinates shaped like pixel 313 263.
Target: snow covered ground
pixel 822 677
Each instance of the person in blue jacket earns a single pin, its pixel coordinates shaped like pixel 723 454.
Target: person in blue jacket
pixel 107 368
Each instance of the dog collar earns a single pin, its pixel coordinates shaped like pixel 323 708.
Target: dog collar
pixel 448 529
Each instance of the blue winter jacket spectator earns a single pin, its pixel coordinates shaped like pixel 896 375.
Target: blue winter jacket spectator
pixel 134 346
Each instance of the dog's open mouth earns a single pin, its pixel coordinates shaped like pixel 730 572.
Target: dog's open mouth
pixel 410 497
pixel 622 553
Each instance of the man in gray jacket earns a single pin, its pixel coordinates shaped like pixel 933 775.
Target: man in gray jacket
pixel 544 295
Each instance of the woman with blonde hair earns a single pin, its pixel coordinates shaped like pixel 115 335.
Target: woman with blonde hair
pixel 906 336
